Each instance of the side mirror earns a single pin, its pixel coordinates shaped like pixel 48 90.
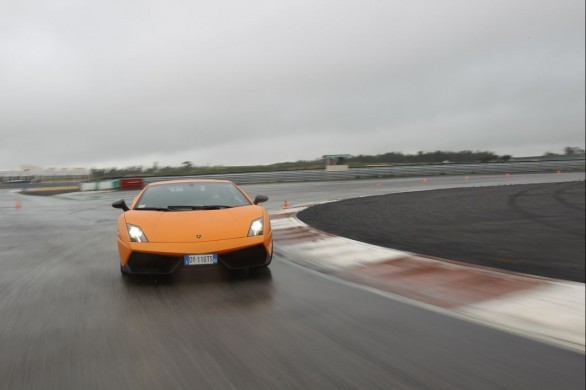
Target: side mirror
pixel 260 199
pixel 120 204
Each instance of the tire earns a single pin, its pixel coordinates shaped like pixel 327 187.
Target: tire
pixel 124 273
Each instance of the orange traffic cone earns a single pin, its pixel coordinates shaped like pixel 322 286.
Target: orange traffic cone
pixel 18 204
pixel 425 180
pixel 285 205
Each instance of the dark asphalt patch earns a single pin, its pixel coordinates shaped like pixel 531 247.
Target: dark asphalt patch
pixel 535 229
pixel 50 192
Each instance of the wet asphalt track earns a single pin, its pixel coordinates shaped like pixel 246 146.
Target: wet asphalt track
pixel 69 321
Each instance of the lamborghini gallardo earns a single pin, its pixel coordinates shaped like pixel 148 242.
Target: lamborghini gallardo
pixel 193 224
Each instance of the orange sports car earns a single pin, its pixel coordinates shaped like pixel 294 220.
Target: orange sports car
pixel 193 224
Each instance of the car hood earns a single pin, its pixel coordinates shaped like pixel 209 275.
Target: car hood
pixel 187 226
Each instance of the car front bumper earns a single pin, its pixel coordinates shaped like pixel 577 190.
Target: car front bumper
pixel 156 258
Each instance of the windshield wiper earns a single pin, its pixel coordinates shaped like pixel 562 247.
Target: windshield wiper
pixel 216 207
pixel 153 208
pixel 206 207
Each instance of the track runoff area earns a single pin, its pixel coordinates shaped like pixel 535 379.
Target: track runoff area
pixel 511 256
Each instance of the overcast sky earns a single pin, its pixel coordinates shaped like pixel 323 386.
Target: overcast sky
pixel 100 83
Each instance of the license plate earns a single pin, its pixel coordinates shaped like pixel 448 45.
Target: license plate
pixel 200 259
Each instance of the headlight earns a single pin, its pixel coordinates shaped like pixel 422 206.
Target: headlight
pixel 136 234
pixel 256 228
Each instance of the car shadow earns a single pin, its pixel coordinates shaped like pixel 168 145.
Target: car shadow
pixel 236 289
pixel 208 276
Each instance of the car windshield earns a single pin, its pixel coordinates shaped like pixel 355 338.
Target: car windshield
pixel 191 196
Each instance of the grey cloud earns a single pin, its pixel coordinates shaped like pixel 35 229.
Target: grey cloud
pixel 231 82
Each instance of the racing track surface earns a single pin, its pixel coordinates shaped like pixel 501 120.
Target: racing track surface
pixel 69 321
pixel 533 228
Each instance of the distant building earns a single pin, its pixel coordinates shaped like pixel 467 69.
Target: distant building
pixel 336 162
pixel 31 173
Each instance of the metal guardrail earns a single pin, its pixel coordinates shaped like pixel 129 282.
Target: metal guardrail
pixel 394 171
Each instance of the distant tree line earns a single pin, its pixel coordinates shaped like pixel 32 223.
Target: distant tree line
pixel 569 151
pixel 573 151
pixel 429 157
pixel 188 168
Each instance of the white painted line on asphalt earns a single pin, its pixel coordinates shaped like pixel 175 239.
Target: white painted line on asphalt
pixel 288 210
pixel 345 253
pixel 284 223
pixel 555 310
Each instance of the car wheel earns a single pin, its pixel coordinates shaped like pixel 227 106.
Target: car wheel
pixel 123 273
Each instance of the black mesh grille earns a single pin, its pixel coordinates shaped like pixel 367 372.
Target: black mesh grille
pixel 147 263
pixel 253 256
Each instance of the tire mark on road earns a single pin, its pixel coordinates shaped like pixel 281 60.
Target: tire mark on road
pixel 514 203
pixel 558 196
